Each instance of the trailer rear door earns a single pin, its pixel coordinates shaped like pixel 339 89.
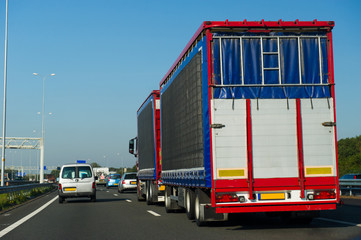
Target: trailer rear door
pixel 275 137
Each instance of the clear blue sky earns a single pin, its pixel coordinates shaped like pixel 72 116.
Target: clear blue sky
pixel 109 54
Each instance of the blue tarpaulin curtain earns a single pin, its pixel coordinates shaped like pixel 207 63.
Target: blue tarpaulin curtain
pixel 252 61
pixel 227 62
pixel 289 61
pixel 231 61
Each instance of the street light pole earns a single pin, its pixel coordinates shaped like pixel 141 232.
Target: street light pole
pixel 41 180
pixel 4 101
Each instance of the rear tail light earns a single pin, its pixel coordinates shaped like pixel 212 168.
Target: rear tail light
pixel 60 186
pixel 226 197
pixel 322 194
pixel 93 185
pixel 123 182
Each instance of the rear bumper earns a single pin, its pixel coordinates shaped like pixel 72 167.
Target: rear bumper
pixel 112 184
pixel 101 182
pixel 276 208
pixel 128 186
pixel 76 194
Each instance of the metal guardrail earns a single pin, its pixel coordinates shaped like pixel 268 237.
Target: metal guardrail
pixel 350 187
pixel 19 182
pixel 11 195
pixel 18 188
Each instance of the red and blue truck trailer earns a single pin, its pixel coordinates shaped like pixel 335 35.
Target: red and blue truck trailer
pixel 247 121
pixel 146 147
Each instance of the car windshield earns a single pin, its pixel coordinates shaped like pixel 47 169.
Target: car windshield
pixel 76 172
pixel 114 176
pixel 84 172
pixel 68 172
pixel 130 176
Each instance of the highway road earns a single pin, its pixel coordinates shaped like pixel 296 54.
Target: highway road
pixel 120 216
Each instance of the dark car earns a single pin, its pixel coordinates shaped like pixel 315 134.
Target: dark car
pixel 351 176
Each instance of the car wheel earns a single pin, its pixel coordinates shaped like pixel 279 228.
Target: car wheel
pixel 93 198
pixel 61 199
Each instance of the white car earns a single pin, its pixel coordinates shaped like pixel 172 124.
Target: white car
pixel 76 180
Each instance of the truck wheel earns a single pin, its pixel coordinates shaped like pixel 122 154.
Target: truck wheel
pixel 198 214
pixel 167 200
pixel 151 192
pixel 148 195
pixel 190 204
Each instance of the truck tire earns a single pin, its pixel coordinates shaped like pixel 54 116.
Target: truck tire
pixel 152 193
pixel 170 204
pixel 189 202
pixel 149 192
pixel 167 200
pixel 198 214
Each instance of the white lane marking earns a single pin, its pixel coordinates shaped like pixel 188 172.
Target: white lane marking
pixel 342 222
pixel 128 200
pixel 24 219
pixel 116 195
pixel 154 213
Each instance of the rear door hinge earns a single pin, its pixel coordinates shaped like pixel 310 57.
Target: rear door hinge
pixel 329 124
pixel 217 125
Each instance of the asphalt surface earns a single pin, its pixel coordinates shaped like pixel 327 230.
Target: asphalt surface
pixel 120 216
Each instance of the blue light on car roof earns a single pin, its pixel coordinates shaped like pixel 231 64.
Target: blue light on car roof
pixel 81 161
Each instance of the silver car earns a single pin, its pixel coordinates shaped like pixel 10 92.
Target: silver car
pixel 128 182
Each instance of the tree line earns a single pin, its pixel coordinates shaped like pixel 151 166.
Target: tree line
pixel 349 155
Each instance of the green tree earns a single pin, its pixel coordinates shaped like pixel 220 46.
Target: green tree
pixel 349 155
pixel 94 164
pixel 55 173
pixel 133 169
